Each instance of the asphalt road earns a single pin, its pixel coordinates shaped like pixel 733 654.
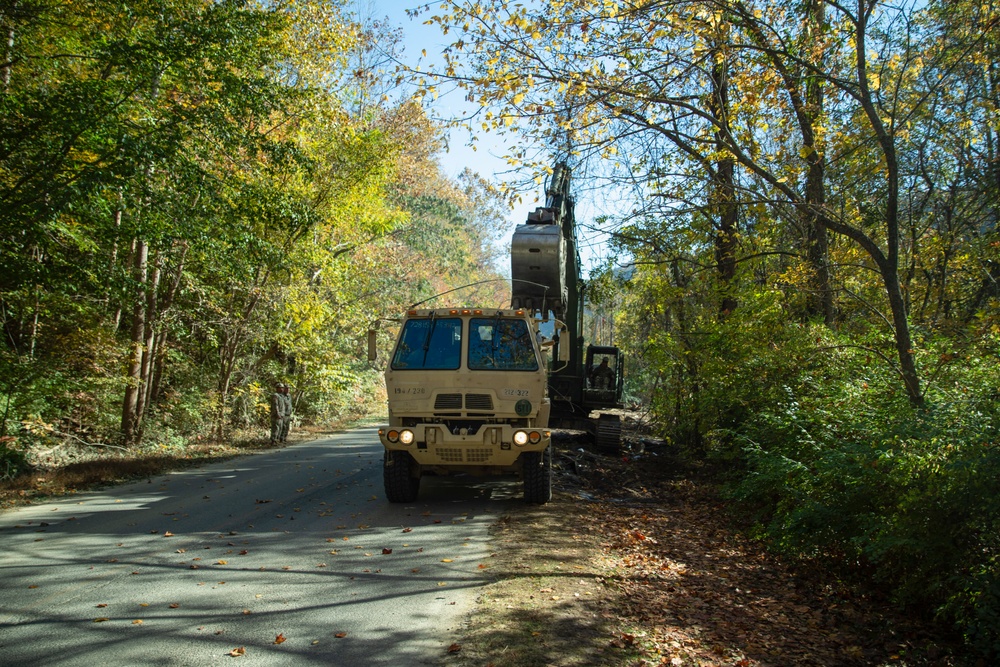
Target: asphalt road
pixel 293 555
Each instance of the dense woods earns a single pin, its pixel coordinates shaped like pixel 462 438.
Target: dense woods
pixel 200 198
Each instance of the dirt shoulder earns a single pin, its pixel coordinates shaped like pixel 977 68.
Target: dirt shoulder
pixel 635 562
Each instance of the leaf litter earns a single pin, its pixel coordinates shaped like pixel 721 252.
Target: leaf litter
pixel 637 563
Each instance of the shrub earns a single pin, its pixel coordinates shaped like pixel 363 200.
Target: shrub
pixel 13 462
pixel 839 471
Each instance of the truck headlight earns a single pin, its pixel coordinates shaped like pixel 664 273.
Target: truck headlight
pixel 406 437
pixel 520 438
pixel 392 436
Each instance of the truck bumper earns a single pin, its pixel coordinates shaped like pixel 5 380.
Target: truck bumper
pixel 492 445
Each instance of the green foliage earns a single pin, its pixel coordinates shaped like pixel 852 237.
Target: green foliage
pixel 218 142
pixel 13 461
pixel 826 457
pixel 838 471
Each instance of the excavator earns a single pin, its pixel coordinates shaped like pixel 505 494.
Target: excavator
pixel 478 390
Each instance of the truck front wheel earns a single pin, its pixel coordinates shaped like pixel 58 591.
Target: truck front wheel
pixel 537 476
pixel 401 485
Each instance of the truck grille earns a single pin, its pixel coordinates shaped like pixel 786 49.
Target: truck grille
pixel 478 455
pixel 459 455
pixel 448 402
pixel 449 454
pixel 478 402
pixel 474 402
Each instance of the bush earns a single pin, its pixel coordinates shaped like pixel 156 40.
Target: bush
pixel 13 462
pixel 829 460
pixel 839 471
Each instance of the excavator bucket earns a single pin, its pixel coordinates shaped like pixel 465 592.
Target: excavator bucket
pixel 537 265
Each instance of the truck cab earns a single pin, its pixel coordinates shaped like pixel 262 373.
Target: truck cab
pixel 467 393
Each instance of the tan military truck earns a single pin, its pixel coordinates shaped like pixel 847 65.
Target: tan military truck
pixel 467 393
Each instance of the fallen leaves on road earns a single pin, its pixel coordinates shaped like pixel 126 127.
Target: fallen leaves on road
pixel 238 651
pixel 280 639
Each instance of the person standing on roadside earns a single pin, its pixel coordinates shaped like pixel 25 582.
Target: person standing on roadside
pixel 277 413
pixel 286 422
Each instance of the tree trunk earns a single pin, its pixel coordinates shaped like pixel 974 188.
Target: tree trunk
pixel 822 302
pixel 34 325
pixel 149 341
pixel 159 364
pixel 116 314
pixel 130 404
pixel 724 186
pixel 889 264
pixel 158 354
pixel 7 30
pixel 227 352
pixel 904 344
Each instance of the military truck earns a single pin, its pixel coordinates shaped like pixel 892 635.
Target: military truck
pixel 472 390
pixel 467 393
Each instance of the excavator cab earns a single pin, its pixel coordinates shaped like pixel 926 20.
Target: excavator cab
pixel 604 373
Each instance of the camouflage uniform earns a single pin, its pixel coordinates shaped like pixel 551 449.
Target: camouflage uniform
pixel 278 413
pixel 287 421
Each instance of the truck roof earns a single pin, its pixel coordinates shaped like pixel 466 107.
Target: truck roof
pixel 459 312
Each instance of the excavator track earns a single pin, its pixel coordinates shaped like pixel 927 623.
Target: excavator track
pixel 609 434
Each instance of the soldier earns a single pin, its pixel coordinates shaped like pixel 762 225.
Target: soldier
pixel 287 421
pixel 603 377
pixel 277 413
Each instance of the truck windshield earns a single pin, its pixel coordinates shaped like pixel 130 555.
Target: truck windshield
pixel 429 344
pixel 499 344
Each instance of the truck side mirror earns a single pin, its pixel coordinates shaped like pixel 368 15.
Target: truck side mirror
pixel 563 349
pixel 372 346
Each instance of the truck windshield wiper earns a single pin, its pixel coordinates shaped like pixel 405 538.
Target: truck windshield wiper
pixel 427 340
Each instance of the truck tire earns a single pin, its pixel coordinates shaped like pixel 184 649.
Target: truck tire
pixel 401 486
pixel 537 476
